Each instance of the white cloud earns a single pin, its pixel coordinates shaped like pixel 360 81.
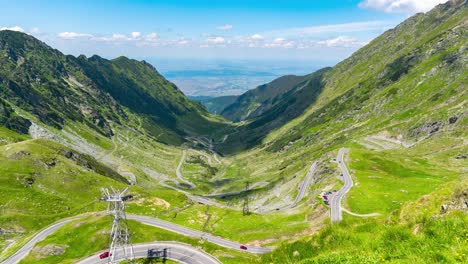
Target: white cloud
pixel 151 37
pixel 335 28
pixel 73 35
pixel 35 30
pixel 135 35
pixel 280 43
pixel 216 40
pixel 15 28
pixel 256 37
pixel 225 27
pixel 341 41
pixel 119 37
pixel 401 6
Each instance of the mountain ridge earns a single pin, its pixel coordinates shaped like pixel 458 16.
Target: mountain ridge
pixel 50 85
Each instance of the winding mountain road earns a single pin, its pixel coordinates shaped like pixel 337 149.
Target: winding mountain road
pixel 179 252
pixel 335 199
pixel 24 250
pixel 303 186
pixel 199 257
pixel 197 234
pixel 179 174
pixel 302 190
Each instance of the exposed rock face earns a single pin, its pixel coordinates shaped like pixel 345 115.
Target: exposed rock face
pixel 18 155
pixel 426 129
pixel 453 119
pixel 35 131
pixel 90 163
pixel 50 250
pixel 10 120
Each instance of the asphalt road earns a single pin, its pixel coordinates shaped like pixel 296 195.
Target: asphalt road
pixel 335 199
pixel 197 234
pixel 304 185
pixel 175 251
pixel 227 194
pixel 24 251
pixel 302 188
pixel 179 174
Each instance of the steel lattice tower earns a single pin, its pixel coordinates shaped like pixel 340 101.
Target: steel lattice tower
pixel 120 247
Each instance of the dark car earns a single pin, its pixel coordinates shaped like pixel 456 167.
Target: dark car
pixel 326 202
pixel 157 253
pixel 243 247
pixel 104 255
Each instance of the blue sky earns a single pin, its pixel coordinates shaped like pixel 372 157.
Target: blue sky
pixel 291 30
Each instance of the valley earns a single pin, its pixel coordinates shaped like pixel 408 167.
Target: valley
pixel 362 162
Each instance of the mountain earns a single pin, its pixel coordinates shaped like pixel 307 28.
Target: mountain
pixel 215 105
pixel 57 89
pixel 273 112
pixel 394 114
pixel 254 102
pixel 409 83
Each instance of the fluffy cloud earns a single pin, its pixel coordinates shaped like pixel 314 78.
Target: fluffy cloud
pixel 341 41
pixel 333 28
pixel 401 6
pixel 135 35
pixel 119 37
pixel 183 42
pixel 73 35
pixel 152 37
pixel 15 28
pixel 256 37
pixel 216 40
pixel 225 27
pixel 280 43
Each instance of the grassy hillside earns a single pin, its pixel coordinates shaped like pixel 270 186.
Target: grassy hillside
pixel 59 89
pixel 398 104
pixel 216 105
pixel 42 182
pixel 427 235
pixel 274 113
pixel 254 102
pixel 408 87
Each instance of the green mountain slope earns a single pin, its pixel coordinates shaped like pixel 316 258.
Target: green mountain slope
pixel 215 105
pixel 275 113
pixel 410 83
pixel 57 88
pixel 398 104
pixel 42 181
pixel 256 101
pixel 407 83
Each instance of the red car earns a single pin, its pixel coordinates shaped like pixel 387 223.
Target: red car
pixel 243 247
pixel 104 255
pixel 325 197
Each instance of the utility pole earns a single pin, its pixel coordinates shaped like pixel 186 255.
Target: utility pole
pixel 120 248
pixel 245 210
